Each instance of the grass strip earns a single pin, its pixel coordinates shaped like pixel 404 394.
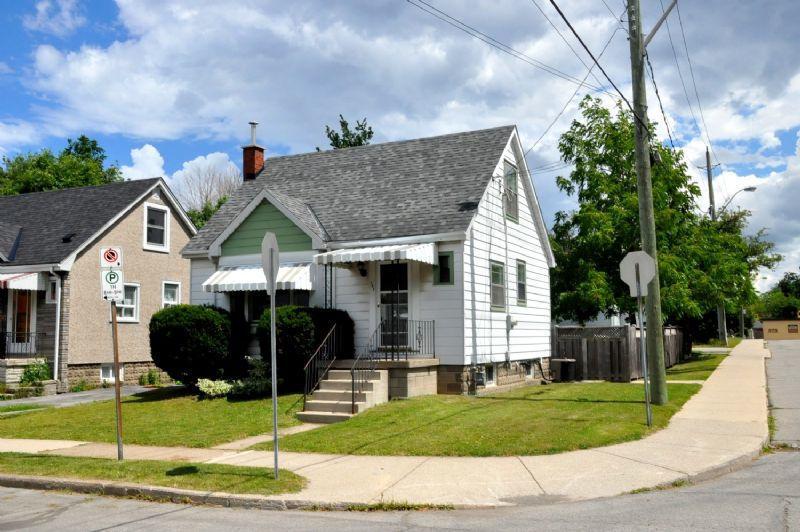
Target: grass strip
pixel 525 421
pixel 698 367
pixel 183 475
pixel 19 408
pixel 167 417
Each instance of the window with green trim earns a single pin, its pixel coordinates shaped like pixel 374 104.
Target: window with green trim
pixel 498 285
pixel 510 199
pixel 443 272
pixel 522 286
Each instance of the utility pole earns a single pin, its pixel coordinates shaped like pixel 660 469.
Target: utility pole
pixel 722 329
pixel 647 225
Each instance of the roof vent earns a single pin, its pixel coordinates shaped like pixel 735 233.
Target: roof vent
pixel 465 206
pixel 67 238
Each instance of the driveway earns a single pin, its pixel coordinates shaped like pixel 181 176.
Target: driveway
pixel 76 398
pixel 783 375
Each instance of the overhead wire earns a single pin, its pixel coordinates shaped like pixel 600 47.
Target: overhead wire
pixel 422 5
pixel 658 97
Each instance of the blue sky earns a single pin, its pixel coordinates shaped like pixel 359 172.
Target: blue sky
pixel 170 84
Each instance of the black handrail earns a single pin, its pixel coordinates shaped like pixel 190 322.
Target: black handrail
pixel 401 339
pixel 320 362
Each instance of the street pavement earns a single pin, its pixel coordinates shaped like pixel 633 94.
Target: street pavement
pixel 783 372
pixel 765 496
pixel 76 398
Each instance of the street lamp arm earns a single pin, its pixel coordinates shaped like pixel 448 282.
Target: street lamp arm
pixel 745 189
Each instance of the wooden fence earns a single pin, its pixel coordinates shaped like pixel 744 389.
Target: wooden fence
pixel 610 353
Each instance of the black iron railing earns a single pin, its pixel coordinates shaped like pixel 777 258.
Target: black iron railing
pixel 20 344
pixel 365 363
pixel 401 339
pixel 320 362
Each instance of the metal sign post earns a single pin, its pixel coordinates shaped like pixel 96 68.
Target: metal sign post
pixel 269 262
pixel 112 289
pixel 637 269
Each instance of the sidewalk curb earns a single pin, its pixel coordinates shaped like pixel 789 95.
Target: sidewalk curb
pixel 164 494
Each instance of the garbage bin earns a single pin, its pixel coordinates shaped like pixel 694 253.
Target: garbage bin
pixel 564 369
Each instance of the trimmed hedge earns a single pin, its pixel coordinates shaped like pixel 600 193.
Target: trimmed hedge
pixel 191 342
pixel 300 331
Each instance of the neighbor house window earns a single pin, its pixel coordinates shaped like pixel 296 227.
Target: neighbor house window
pixel 52 289
pixel 171 294
pixel 522 287
pixel 793 328
pixel 156 227
pixel 128 308
pixel 498 280
pixel 107 373
pixel 443 272
pixel 510 202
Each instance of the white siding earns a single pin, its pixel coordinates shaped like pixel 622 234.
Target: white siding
pixel 353 293
pixel 485 331
pixel 201 270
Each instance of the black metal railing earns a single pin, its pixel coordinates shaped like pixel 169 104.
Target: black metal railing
pixel 320 362
pixel 401 339
pixel 20 344
pixel 365 363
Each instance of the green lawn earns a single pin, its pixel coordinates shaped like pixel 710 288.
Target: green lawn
pixel 524 421
pixel 697 368
pixel 204 477
pixel 160 417
pixel 733 341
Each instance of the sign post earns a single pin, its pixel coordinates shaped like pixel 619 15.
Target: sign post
pixel 637 269
pixel 113 289
pixel 269 263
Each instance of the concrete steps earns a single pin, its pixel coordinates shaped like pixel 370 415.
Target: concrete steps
pixel 333 401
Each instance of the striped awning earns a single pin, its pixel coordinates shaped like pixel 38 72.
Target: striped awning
pixel 23 281
pixel 247 278
pixel 425 253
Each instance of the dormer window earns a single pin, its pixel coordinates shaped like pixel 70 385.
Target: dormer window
pixel 156 227
pixel 510 203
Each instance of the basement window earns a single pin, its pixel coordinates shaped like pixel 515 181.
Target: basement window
pixel 107 373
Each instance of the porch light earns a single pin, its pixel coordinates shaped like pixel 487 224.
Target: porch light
pixel 362 268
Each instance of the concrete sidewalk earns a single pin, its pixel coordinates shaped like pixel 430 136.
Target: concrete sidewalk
pixel 723 426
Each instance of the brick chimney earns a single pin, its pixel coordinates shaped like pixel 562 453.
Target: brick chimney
pixel 252 156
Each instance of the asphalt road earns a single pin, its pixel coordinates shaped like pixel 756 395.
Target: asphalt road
pixel 765 496
pixel 783 375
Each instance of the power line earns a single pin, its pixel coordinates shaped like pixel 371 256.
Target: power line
pixel 691 72
pixel 580 40
pixel 566 104
pixel 658 97
pixel 491 41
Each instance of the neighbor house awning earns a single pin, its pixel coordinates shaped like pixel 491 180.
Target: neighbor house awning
pixel 245 278
pixel 23 281
pixel 425 253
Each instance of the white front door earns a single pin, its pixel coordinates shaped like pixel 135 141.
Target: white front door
pixel 21 322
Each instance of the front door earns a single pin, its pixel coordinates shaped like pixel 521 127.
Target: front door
pixel 393 286
pixel 21 322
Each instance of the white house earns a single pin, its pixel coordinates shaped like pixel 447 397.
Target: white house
pixel 436 247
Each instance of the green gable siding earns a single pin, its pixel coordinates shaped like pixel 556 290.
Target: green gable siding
pixel 246 239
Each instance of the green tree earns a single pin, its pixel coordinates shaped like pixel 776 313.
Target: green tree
pixel 80 163
pixel 201 216
pixel 347 138
pixel 782 301
pixel 700 261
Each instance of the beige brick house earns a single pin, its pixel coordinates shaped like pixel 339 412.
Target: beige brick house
pixel 50 304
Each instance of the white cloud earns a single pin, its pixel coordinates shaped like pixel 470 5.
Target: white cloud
pixel 216 162
pixel 56 17
pixel 16 133
pixel 147 162
pixel 5 69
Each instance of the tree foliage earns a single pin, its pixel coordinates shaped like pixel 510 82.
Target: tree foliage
pixel 346 137
pixel 782 301
pixel 701 262
pixel 80 163
pixel 201 216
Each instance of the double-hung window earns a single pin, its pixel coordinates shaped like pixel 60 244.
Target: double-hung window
pixel 498 285
pixel 156 227
pixel 510 203
pixel 171 294
pixel 522 286
pixel 128 308
pixel 443 272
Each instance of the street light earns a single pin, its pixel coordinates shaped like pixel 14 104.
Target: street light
pixel 745 189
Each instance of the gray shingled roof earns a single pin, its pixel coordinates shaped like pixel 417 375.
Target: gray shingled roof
pixel 46 218
pixel 394 189
pixel 8 238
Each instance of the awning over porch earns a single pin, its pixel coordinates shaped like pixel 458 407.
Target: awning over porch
pixel 246 278
pixel 23 281
pixel 425 253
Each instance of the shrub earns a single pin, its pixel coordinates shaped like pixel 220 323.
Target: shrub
pixel 217 388
pixel 191 342
pixel 295 343
pixel 35 373
pixel 257 383
pixel 151 378
pixel 81 386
